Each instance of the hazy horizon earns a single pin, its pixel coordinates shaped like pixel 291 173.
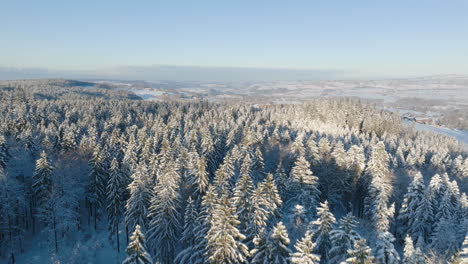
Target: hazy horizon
pixel 240 40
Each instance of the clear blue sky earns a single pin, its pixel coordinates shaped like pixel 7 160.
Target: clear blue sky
pixel 367 37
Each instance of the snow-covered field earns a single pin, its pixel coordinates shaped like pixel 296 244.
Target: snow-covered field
pixel 460 135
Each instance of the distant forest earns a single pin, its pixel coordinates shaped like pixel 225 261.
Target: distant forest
pixel 193 182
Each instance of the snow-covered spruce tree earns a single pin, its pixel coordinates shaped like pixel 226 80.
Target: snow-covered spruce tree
pixel 379 190
pixel 224 240
pixel 444 237
pixel 258 165
pixel 464 250
pixel 339 178
pixel 115 200
pixel 136 250
pixel 412 255
pixel 303 184
pixel 304 251
pixel 190 224
pixel 98 176
pixel 4 154
pixel 422 223
pixel 136 207
pixel 281 178
pixel 271 195
pixel 376 205
pixel 385 252
pixel 242 197
pixel 164 215
pixel 200 176
pixel 274 248
pixel 258 216
pixel 361 254
pixel 321 231
pixel 42 180
pixel 198 252
pixel 222 180
pixel 343 238
pixel 411 201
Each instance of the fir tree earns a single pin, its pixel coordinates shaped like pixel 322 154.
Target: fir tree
pixel 385 252
pixel 423 219
pixel 136 208
pixel 343 238
pixel 42 180
pixel 304 251
pixel 200 177
pixel 361 254
pixel 136 249
pixel 274 248
pixel 115 201
pixel 412 255
pixel 321 229
pixel 164 214
pixel 411 202
pixel 4 154
pixel 242 197
pixel 304 183
pixel 223 238
pixel 97 184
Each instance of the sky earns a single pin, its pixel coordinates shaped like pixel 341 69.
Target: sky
pixel 339 38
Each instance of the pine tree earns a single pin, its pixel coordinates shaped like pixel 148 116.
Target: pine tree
pixel 361 254
pixel 385 252
pixel 321 229
pixel 164 214
pixel 136 250
pixel 223 238
pixel 343 238
pixel 304 251
pixel 115 200
pixel 274 248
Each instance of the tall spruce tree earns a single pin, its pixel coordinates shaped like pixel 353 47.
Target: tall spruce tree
pixel 224 240
pixel 115 200
pixel 304 251
pixel 321 230
pixel 42 180
pixel 343 238
pixel 361 254
pixel 136 207
pixel 164 215
pixel 273 248
pixel 136 250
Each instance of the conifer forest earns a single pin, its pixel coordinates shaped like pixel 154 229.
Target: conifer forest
pixel 97 175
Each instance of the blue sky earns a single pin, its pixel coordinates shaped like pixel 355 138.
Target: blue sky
pixel 362 38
